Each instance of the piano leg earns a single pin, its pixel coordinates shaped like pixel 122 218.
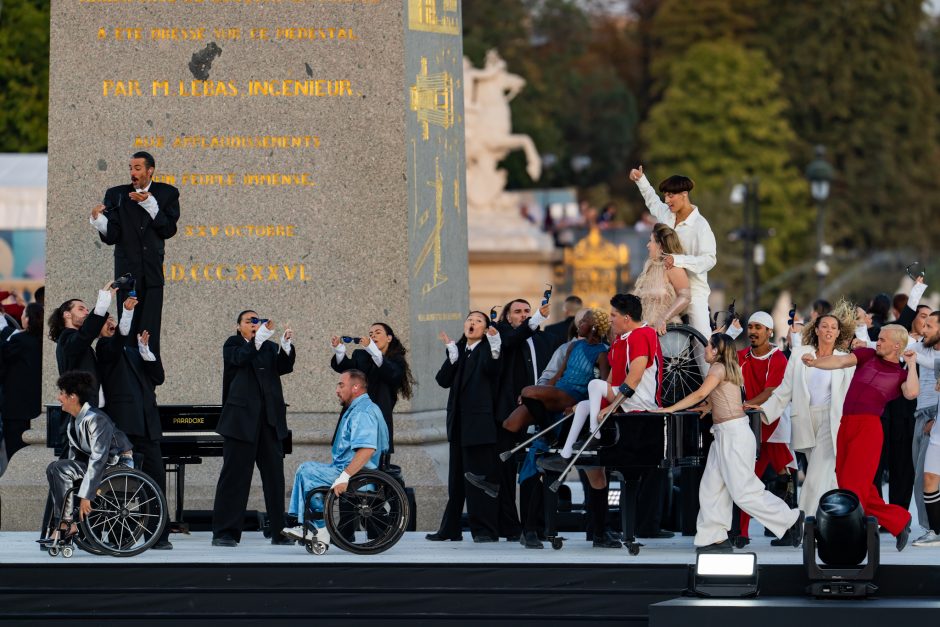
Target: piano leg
pixel 629 488
pixel 689 480
pixel 180 487
pixel 550 499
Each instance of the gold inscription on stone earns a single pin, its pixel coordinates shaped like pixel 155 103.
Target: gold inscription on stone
pixel 318 88
pixel 439 317
pixel 239 230
pixel 215 272
pixel 432 99
pixel 230 179
pixel 228 141
pixel 434 16
pixel 120 88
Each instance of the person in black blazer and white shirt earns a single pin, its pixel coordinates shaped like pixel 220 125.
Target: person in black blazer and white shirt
pixel 136 219
pixel 253 424
pixel 21 376
pixel 129 377
pixel 470 371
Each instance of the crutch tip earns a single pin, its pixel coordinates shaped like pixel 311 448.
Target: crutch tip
pixel 555 486
pixel 505 455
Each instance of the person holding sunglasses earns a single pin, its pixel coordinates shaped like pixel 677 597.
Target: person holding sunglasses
pixel 253 424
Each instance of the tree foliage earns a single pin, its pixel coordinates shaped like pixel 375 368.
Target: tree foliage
pixel 24 75
pixel 722 120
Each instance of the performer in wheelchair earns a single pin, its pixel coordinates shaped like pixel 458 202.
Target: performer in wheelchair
pixel 95 444
pixel 361 440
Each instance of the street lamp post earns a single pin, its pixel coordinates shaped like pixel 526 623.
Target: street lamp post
pixel 747 195
pixel 819 173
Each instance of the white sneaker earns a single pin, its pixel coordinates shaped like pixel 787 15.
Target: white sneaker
pixel 296 533
pixel 323 535
pixel 928 539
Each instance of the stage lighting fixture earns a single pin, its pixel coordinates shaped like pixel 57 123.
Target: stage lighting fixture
pixel 726 575
pixel 844 538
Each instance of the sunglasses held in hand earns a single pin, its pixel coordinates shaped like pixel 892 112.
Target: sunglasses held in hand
pixel 350 339
pixel 547 295
pixel 254 320
pixel 915 271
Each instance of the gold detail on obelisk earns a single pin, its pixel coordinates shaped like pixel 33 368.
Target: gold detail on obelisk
pixel 434 16
pixel 432 98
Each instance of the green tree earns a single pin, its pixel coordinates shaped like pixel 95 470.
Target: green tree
pixel 24 75
pixel 859 82
pixel 722 120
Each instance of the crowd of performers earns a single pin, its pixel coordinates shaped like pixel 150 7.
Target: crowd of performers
pixel 507 375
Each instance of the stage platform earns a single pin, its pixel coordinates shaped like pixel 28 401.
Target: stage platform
pixel 423 583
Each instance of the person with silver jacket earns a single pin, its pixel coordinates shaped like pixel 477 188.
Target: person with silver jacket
pixel 95 444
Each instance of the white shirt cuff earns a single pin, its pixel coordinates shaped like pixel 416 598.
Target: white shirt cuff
pixel 376 354
pixel 124 327
pixel 286 344
pixel 263 335
pixel 3 322
pixel 496 342
pixel 796 339
pixel 536 320
pixel 339 352
pixel 452 352
pixel 100 223
pixel 150 206
pixel 734 332
pixel 104 301
pixel 861 332
pixel 145 353
pixel 916 293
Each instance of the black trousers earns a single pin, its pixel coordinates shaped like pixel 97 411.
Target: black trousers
pixel 148 314
pixel 509 524
pixel 897 455
pixel 151 463
pixel 231 493
pixel 482 511
pixel 13 430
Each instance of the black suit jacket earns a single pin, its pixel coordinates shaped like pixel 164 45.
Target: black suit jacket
pixel 21 375
pixel 73 350
pixel 130 387
pixel 517 367
pixel 471 402
pixel 137 238
pixel 251 387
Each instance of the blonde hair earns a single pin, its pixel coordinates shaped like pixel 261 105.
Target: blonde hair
pixel 601 322
pixel 899 333
pixel 844 315
pixel 667 239
pixel 727 357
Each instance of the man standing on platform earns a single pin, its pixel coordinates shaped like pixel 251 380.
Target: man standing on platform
pixel 136 219
pixel 253 423
pixel 879 378
pixel 763 366
pixel 697 239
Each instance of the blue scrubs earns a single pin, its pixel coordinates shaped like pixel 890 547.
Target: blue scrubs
pixel 361 426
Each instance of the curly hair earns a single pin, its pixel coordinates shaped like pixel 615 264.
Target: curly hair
pixel 601 323
pixel 844 315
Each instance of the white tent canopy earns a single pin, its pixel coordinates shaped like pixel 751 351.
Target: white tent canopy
pixel 23 191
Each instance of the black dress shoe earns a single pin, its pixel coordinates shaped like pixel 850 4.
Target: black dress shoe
pixel 718 547
pixel 660 535
pixel 902 537
pixel 481 539
pixel 607 541
pixel 162 545
pixel 530 540
pixel 279 540
pixel 437 536
pixel 514 537
pixel 740 542
pixel 553 463
pixel 224 541
pixel 479 481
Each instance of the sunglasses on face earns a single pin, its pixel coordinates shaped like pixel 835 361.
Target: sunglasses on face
pixel 350 339
pixel 254 320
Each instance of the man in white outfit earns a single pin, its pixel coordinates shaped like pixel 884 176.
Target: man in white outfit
pixel 696 236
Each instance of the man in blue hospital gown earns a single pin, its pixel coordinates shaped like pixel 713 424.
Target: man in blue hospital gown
pixel 360 441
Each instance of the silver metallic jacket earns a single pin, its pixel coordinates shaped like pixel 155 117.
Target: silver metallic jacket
pixel 92 435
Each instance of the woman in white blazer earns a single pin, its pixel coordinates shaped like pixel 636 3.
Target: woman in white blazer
pixel 815 400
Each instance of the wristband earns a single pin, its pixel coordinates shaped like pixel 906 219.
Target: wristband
pixel 626 390
pixel 342 478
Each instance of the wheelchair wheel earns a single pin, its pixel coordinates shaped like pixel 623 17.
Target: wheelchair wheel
pixel 681 373
pixel 128 514
pixel 370 517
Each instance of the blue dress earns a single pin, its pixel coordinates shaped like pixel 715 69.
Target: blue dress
pixel 580 368
pixel 361 426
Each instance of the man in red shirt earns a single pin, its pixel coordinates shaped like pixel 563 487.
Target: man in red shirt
pixel 763 366
pixel 879 378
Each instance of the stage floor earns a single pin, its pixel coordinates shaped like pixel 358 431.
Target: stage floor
pixel 196 548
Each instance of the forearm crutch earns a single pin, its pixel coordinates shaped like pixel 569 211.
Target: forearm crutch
pixel 600 423
pixel 505 455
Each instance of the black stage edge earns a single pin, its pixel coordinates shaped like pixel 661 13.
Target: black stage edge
pixel 431 594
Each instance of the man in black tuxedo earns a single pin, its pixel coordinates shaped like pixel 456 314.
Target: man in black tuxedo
pixel 470 372
pixel 129 377
pixel 557 334
pixel 136 219
pixel 525 353
pixel 253 423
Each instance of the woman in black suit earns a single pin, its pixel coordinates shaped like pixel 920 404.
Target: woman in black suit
pixel 381 357
pixel 471 372
pixel 21 375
